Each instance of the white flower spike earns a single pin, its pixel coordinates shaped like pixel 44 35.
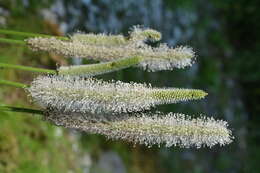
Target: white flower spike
pixel 105 48
pixel 74 94
pixel 169 130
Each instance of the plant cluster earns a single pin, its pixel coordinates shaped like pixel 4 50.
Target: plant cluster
pixel 71 97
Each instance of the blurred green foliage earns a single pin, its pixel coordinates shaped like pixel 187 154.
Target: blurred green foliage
pixel 24 8
pixel 27 143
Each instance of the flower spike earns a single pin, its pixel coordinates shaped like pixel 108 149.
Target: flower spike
pixel 158 129
pixel 138 34
pixel 152 59
pixel 99 39
pixel 74 94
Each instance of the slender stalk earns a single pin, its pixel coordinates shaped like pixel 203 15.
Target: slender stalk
pixel 25 68
pixel 19 109
pixel 27 34
pixel 12 41
pixel 84 70
pixel 14 84
pixel 101 68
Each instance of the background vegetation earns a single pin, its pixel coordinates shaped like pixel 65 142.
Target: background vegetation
pixel 225 35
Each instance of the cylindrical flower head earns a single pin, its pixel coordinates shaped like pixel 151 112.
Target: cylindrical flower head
pixel 99 39
pixel 169 130
pixel 152 59
pixel 136 35
pixel 166 58
pixel 143 34
pixel 74 94
pixel 77 49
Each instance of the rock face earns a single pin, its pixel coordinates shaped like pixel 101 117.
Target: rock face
pixel 117 16
pixel 110 162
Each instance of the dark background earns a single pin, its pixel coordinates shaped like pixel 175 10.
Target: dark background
pixel 225 35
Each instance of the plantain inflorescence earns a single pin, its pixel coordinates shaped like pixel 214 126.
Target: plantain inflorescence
pixel 73 98
pixel 105 48
pixel 172 129
pixel 75 94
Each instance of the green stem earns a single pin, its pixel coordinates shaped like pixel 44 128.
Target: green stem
pixel 85 70
pixel 12 41
pixel 25 68
pixel 14 84
pixel 19 109
pixel 27 34
pixel 101 68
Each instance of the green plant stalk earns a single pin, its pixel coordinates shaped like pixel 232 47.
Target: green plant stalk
pixel 19 109
pixel 27 34
pixel 25 68
pixel 101 68
pixel 84 70
pixel 12 41
pixel 14 84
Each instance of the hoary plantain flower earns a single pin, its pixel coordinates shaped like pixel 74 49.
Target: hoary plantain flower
pixel 153 59
pixel 169 130
pixel 116 109
pixel 74 94
pixel 137 34
pixel 99 39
